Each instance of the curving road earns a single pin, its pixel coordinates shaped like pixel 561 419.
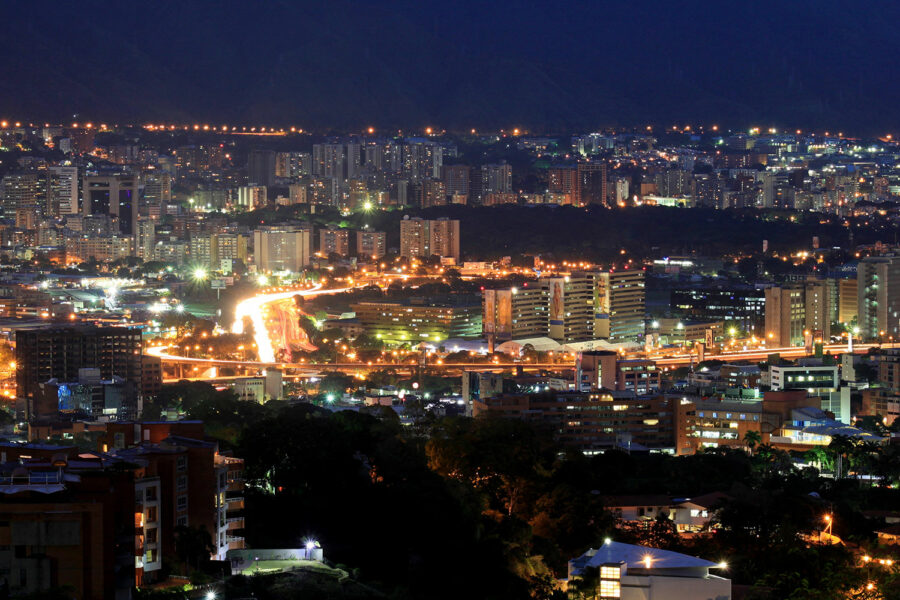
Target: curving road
pixel 255 308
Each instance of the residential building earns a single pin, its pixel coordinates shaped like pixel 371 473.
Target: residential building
pixel 371 244
pixel 69 522
pixel 632 572
pixel 591 182
pixel 593 421
pixel 785 316
pixel 261 168
pixel 515 313
pixel 571 306
pixel 620 305
pixel 878 297
pixel 848 310
pixel 282 248
pixel 421 238
pixel 59 352
pixel 83 248
pixel 334 240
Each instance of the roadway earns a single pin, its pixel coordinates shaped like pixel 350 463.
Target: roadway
pixel 255 308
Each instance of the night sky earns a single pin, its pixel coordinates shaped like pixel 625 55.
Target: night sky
pixel 545 66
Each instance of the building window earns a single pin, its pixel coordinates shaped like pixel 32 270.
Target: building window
pixel 181 504
pixel 181 521
pixel 181 463
pixel 182 483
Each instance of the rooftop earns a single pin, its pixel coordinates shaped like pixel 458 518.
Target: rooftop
pixel 638 557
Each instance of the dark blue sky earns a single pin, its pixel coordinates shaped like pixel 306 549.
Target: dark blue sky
pixel 541 65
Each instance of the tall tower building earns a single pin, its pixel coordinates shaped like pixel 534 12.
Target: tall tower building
pixel 329 160
pixel 65 188
pixel 620 305
pixel 354 160
pixel 817 294
pixel 334 240
pixel 145 238
pixel 370 244
pixel 456 179
pixel 261 168
pixel 414 238
pixel 496 179
pixel 571 307
pixel 878 297
pixel 591 183
pixel 420 238
pixel 113 195
pixel 785 316
pixel 563 180
pixel 282 248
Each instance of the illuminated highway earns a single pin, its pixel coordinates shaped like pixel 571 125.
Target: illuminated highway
pixel 272 335
pixel 255 309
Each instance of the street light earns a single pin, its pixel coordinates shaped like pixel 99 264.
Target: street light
pixel 199 274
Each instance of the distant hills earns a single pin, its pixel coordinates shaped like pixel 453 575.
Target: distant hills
pixel 546 66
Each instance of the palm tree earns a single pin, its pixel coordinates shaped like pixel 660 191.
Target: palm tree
pixel 840 446
pixel 752 439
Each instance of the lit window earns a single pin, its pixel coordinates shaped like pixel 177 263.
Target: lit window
pixel 610 589
pixel 608 572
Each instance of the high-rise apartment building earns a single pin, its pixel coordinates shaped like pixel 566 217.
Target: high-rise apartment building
pixel 563 180
pixel 145 238
pixel 515 313
pixel 785 316
pixel 818 298
pixel 878 297
pixel 354 160
pixel 591 183
pixel 65 189
pixel 371 244
pixel 27 191
pixel 328 160
pixel 456 179
pixel 293 165
pixel 848 308
pixel 250 197
pixel 59 353
pixel 496 179
pixel 620 305
pixel 422 238
pixel 422 158
pixel 334 240
pixel 434 193
pixel 261 168
pixel 571 306
pixel 282 248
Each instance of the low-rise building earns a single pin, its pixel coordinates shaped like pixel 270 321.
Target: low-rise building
pixel 419 320
pixel 633 572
